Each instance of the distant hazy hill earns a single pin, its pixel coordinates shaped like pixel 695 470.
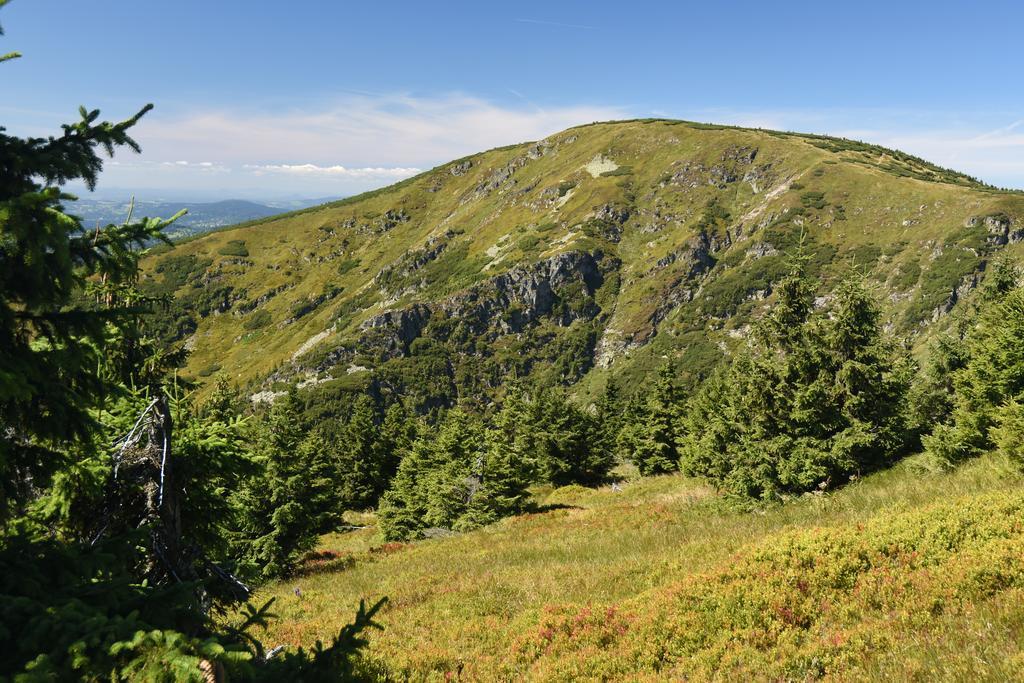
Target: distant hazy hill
pixel 601 251
pixel 201 217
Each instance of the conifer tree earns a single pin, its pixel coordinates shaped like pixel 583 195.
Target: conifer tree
pixel 396 435
pixel 359 473
pixel 286 506
pixel 989 388
pixel 932 395
pixel 403 507
pixel 810 401
pixel 654 448
pixel 79 597
pixel 457 477
pixel 610 414
pixel 50 334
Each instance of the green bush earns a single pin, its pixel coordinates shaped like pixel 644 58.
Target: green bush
pixel 813 200
pixel 989 388
pixel 347 265
pixel 620 171
pixel 234 248
pixel 258 320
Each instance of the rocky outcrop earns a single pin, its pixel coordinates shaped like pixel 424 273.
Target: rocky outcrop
pixel 394 277
pixel 250 306
pixel 390 219
pixel 403 325
pixel 1000 228
pixel 733 165
pixel 965 286
pixel 461 168
pixel 560 288
pixel 613 214
pixel 499 179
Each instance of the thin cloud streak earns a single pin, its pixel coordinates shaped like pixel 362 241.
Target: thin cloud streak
pixel 397 130
pixel 313 169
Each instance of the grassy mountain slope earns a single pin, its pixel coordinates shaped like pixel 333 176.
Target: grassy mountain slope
pixel 900 576
pixel 597 252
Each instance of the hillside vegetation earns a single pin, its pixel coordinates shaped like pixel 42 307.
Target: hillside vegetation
pixel 595 253
pixel 903 575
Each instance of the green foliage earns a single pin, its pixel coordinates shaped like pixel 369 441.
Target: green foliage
pixel 284 510
pixel 258 320
pixel 620 171
pixel 366 452
pixel 234 248
pixel 560 442
pixel 813 200
pixel 70 612
pixel 988 379
pixel 907 275
pixel 50 335
pixel 179 270
pixel 810 402
pixel 346 265
pixel 117 496
pixel 650 439
pixel 446 481
pixel 463 474
pixel 940 279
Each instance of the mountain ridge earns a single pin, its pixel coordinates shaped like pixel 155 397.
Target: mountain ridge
pixel 665 206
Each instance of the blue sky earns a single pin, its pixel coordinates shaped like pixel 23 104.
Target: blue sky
pixel 317 98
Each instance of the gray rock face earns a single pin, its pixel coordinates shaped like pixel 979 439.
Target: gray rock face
pixel 965 286
pixel 460 169
pixel 762 249
pixel 1000 229
pixel 260 300
pixel 613 214
pixel 499 179
pixel 404 325
pixel 394 277
pixel 734 164
pixel 504 304
pixel 740 153
pixel 539 149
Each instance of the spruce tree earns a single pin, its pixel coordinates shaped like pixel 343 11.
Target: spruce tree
pixel 610 414
pixel 988 388
pixel 396 435
pixel 51 335
pixel 90 585
pixel 286 506
pixel 458 476
pixel 654 449
pixel 359 475
pixel 810 401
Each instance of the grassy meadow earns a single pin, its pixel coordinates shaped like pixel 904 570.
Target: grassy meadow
pixel 906 575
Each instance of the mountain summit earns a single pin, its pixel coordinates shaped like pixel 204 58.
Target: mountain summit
pixel 600 251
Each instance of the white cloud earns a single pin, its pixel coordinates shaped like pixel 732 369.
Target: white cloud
pixel 349 145
pixel 313 169
pixel 359 131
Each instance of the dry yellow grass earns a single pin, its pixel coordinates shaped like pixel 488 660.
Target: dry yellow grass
pixel 661 580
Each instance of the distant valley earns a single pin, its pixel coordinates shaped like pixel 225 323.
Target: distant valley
pixel 201 217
